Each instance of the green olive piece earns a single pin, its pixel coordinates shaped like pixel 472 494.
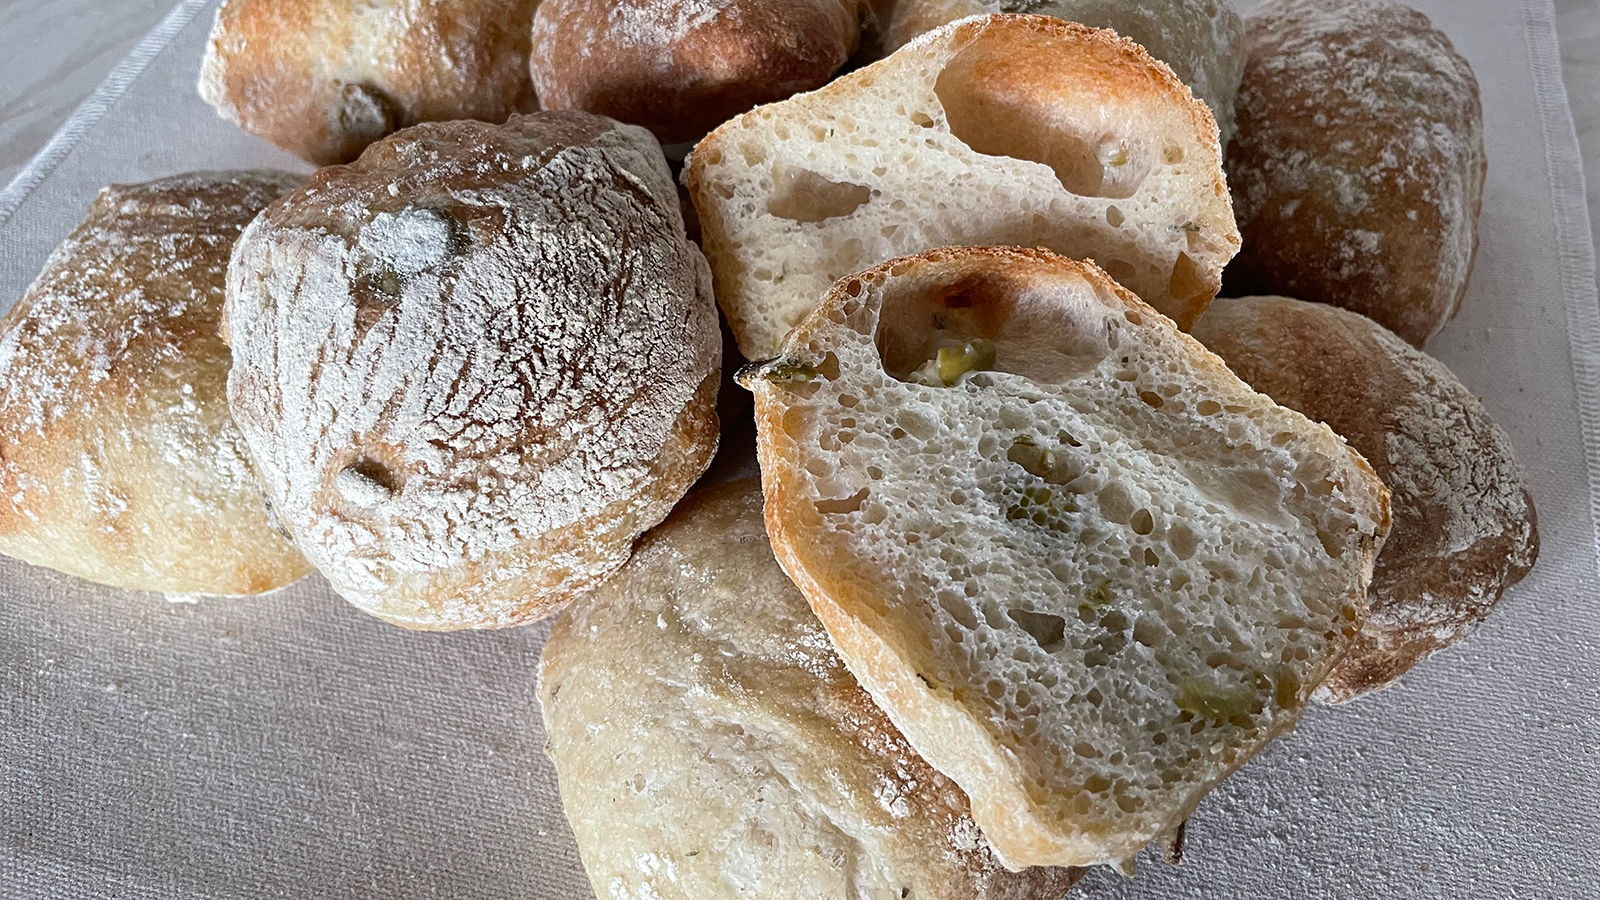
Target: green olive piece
pixel 1209 700
pixel 976 355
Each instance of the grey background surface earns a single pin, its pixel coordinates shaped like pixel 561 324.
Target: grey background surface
pixel 289 746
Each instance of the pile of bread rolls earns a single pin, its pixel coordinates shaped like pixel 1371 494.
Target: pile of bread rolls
pixel 1045 544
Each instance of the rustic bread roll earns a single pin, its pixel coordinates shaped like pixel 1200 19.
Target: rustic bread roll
pixel 118 461
pixel 1022 130
pixel 681 68
pixel 1358 168
pixel 476 364
pixel 1464 523
pixel 1084 569
pixel 698 718
pixel 325 78
pixel 1202 40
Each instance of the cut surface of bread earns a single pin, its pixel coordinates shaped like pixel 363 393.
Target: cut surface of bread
pixel 699 719
pixel 1002 129
pixel 1202 40
pixel 119 462
pixel 1085 569
pixel 1464 522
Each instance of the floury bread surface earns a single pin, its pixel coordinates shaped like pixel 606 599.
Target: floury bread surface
pixel 1085 569
pixel 476 364
pixel 1005 130
pixel 699 720
pixel 118 460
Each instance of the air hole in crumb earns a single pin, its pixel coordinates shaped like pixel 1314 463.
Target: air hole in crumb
pixel 991 110
pixel 1188 282
pixel 1151 398
pixel 1114 217
pixel 1046 629
pixel 842 505
pixel 1121 271
pixel 1208 407
pixel 1172 154
pixel 922 120
pixel 801 195
pixel 1143 522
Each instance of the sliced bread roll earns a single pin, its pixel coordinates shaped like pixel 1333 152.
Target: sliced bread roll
pixel 1464 522
pixel 699 719
pixel 1086 570
pixel 1202 40
pixel 1019 130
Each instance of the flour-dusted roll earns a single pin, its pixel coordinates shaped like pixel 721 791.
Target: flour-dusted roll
pixel 682 68
pixel 1357 171
pixel 1085 569
pixel 1202 40
pixel 476 364
pixel 1016 130
pixel 1464 522
pixel 118 461
pixel 325 78
pixel 699 719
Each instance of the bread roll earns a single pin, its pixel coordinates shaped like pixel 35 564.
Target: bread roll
pixel 1084 569
pixel 118 461
pixel 1021 130
pixel 476 364
pixel 681 68
pixel 325 78
pixel 1358 168
pixel 1464 523
pixel 699 719
pixel 1202 40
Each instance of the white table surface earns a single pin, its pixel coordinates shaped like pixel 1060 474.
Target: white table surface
pixel 53 53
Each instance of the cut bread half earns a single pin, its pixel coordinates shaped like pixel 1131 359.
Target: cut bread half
pixel 1000 129
pixel 1085 569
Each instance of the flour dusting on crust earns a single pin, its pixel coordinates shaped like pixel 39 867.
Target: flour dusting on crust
pixel 476 364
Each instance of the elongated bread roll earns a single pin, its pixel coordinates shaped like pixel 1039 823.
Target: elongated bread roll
pixel 699 719
pixel 1017 130
pixel 1358 168
pixel 118 461
pixel 1202 40
pixel 476 364
pixel 681 69
pixel 325 78
pixel 1464 522
pixel 1085 569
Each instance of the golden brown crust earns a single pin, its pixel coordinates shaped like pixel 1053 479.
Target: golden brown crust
pixel 1358 166
pixel 1464 523
pixel 118 460
pixel 682 68
pixel 476 364
pixel 324 78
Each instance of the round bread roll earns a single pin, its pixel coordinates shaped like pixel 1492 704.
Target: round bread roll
pixel 698 718
pixel 681 69
pixel 1357 171
pixel 1202 40
pixel 1085 569
pixel 325 78
pixel 118 461
pixel 1464 523
pixel 476 364
pixel 995 130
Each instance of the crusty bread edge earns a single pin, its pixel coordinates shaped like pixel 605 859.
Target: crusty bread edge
pixel 966 753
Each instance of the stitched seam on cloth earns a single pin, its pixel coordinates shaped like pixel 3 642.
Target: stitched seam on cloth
pixel 1575 246
pixel 91 111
